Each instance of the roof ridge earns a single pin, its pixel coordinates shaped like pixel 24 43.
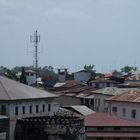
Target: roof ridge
pixel 5 90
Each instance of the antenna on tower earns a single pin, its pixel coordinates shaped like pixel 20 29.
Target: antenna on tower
pixel 35 39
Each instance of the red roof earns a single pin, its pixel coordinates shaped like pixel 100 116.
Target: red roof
pixel 112 134
pixel 107 75
pixel 104 119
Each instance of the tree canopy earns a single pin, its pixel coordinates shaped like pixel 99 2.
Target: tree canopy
pixel 128 69
pixel 89 67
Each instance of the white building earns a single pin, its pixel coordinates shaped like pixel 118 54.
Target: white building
pixel 30 77
pixel 18 101
pixel 101 95
pixel 126 105
pixel 82 75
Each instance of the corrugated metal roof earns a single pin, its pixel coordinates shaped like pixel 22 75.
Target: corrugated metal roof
pixel 132 96
pixel 12 90
pixel 82 110
pixel 112 90
pixel 59 84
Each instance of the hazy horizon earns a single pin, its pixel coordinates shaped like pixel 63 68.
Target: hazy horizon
pixel 73 33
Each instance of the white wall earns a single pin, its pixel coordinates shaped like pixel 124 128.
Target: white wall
pixel 13 117
pixel 31 79
pixel 99 101
pixel 82 76
pixel 128 107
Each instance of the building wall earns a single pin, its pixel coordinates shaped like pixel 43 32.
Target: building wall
pixel 62 77
pixel 128 109
pixel 82 76
pixel 31 79
pixel 67 100
pixel 102 85
pixel 50 109
pixel 99 101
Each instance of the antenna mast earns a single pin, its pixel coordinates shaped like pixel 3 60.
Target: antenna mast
pixel 35 39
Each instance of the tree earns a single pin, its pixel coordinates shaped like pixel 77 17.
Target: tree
pixel 89 67
pixel 23 76
pixel 128 69
pixel 11 74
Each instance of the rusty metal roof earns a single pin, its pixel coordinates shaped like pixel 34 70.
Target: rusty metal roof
pixel 105 120
pixel 132 96
pixel 112 90
pixel 12 90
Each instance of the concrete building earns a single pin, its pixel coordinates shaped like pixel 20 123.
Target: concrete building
pixel 102 83
pixel 62 73
pixel 82 75
pixel 126 105
pixel 30 77
pixel 102 126
pixel 19 101
pixel 101 95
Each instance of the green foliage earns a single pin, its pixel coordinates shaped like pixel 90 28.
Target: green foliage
pixel 23 76
pixel 11 74
pixel 128 69
pixel 89 67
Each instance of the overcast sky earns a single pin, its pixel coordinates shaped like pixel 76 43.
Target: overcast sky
pixel 105 33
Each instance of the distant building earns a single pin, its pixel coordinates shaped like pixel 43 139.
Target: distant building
pixel 82 76
pixel 126 105
pixel 101 95
pixel 30 77
pixel 62 73
pixel 19 101
pixel 102 126
pixel 102 83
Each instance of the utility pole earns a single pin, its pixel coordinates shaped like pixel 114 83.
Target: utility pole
pixel 35 39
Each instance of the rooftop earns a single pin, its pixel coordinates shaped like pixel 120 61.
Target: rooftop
pixel 82 109
pixel 100 119
pixel 12 90
pixel 103 81
pixel 111 90
pixel 132 96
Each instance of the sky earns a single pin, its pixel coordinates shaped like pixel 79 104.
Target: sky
pixel 105 33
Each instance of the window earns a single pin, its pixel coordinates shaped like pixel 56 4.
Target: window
pixel 116 138
pixel 99 138
pixel 3 110
pixel 49 107
pixel 36 108
pixel 30 110
pixel 98 102
pixel 23 110
pixel 133 113
pixel 133 138
pixel 92 102
pixel 16 110
pixel 100 128
pixel 114 109
pixel 124 112
pixel 43 107
pixel 116 128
